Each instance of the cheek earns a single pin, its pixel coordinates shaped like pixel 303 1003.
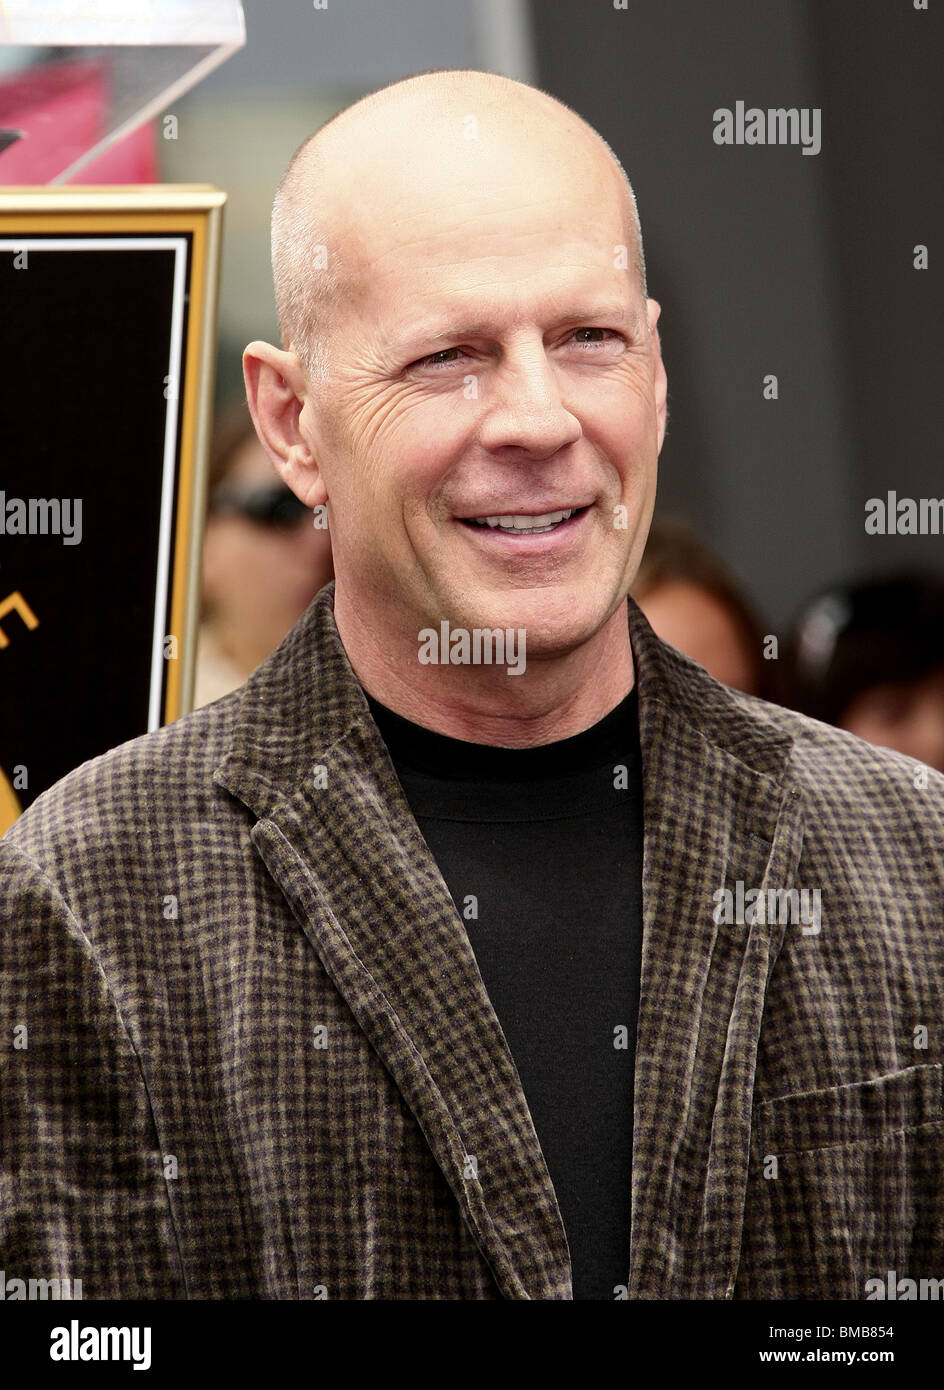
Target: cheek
pixel 371 423
pixel 229 549
pixel 255 560
pixel 619 416
pixel 395 468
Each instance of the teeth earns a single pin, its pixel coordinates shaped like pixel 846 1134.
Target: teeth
pixel 544 522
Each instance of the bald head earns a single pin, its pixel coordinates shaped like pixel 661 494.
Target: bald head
pixel 463 129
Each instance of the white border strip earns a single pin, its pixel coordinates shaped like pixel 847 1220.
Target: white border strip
pixel 134 22
pixel 179 246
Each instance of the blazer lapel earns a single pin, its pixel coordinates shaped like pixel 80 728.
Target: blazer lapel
pixel 717 811
pixel 337 836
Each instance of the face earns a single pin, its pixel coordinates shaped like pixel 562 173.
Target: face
pixel 698 624
pixel 497 359
pixel 906 716
pixel 257 578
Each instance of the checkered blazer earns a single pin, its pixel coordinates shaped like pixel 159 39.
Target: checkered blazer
pixel 260 1061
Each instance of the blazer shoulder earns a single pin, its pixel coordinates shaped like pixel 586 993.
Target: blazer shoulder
pixel 125 795
pixel 833 766
pixel 824 763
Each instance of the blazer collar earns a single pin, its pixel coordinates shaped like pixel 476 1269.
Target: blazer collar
pixel 305 698
pixel 337 835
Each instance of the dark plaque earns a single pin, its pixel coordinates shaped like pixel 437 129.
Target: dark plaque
pixel 105 391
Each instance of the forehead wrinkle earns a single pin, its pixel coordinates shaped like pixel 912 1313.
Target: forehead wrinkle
pixel 573 252
pixel 375 260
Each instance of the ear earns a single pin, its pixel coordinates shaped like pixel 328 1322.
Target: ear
pixel 276 391
pixel 653 310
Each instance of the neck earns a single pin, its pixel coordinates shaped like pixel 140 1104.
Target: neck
pixel 555 697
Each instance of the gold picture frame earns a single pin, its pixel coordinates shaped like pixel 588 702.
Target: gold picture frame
pixel 186 220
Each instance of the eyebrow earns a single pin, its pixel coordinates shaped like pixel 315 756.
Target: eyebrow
pixel 587 315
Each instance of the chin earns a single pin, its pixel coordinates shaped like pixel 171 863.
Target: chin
pixel 553 623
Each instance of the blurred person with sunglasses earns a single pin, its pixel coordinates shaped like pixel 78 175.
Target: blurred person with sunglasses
pixel 696 605
pixel 869 657
pixel 264 560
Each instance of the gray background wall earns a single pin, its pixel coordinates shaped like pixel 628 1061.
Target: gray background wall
pixel 767 260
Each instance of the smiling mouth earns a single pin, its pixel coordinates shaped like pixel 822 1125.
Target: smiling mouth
pixel 520 523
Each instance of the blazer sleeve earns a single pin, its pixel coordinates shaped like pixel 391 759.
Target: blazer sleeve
pixel 82 1189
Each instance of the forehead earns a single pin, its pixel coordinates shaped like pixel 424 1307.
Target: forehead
pixel 423 247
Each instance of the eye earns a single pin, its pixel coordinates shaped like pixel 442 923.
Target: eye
pixel 439 359
pixel 594 342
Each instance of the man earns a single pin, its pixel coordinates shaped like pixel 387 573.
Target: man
pixel 331 988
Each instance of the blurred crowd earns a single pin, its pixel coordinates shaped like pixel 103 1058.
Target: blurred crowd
pixel 263 559
pixel 866 656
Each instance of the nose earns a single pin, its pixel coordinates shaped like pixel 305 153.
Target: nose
pixel 524 410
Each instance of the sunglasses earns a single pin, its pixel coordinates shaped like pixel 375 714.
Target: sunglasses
pixel 277 507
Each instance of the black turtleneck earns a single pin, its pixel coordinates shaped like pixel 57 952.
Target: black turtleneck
pixel 541 850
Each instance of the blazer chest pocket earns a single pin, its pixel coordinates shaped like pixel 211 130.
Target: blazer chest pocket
pixel 846 1184
pixel 852 1114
